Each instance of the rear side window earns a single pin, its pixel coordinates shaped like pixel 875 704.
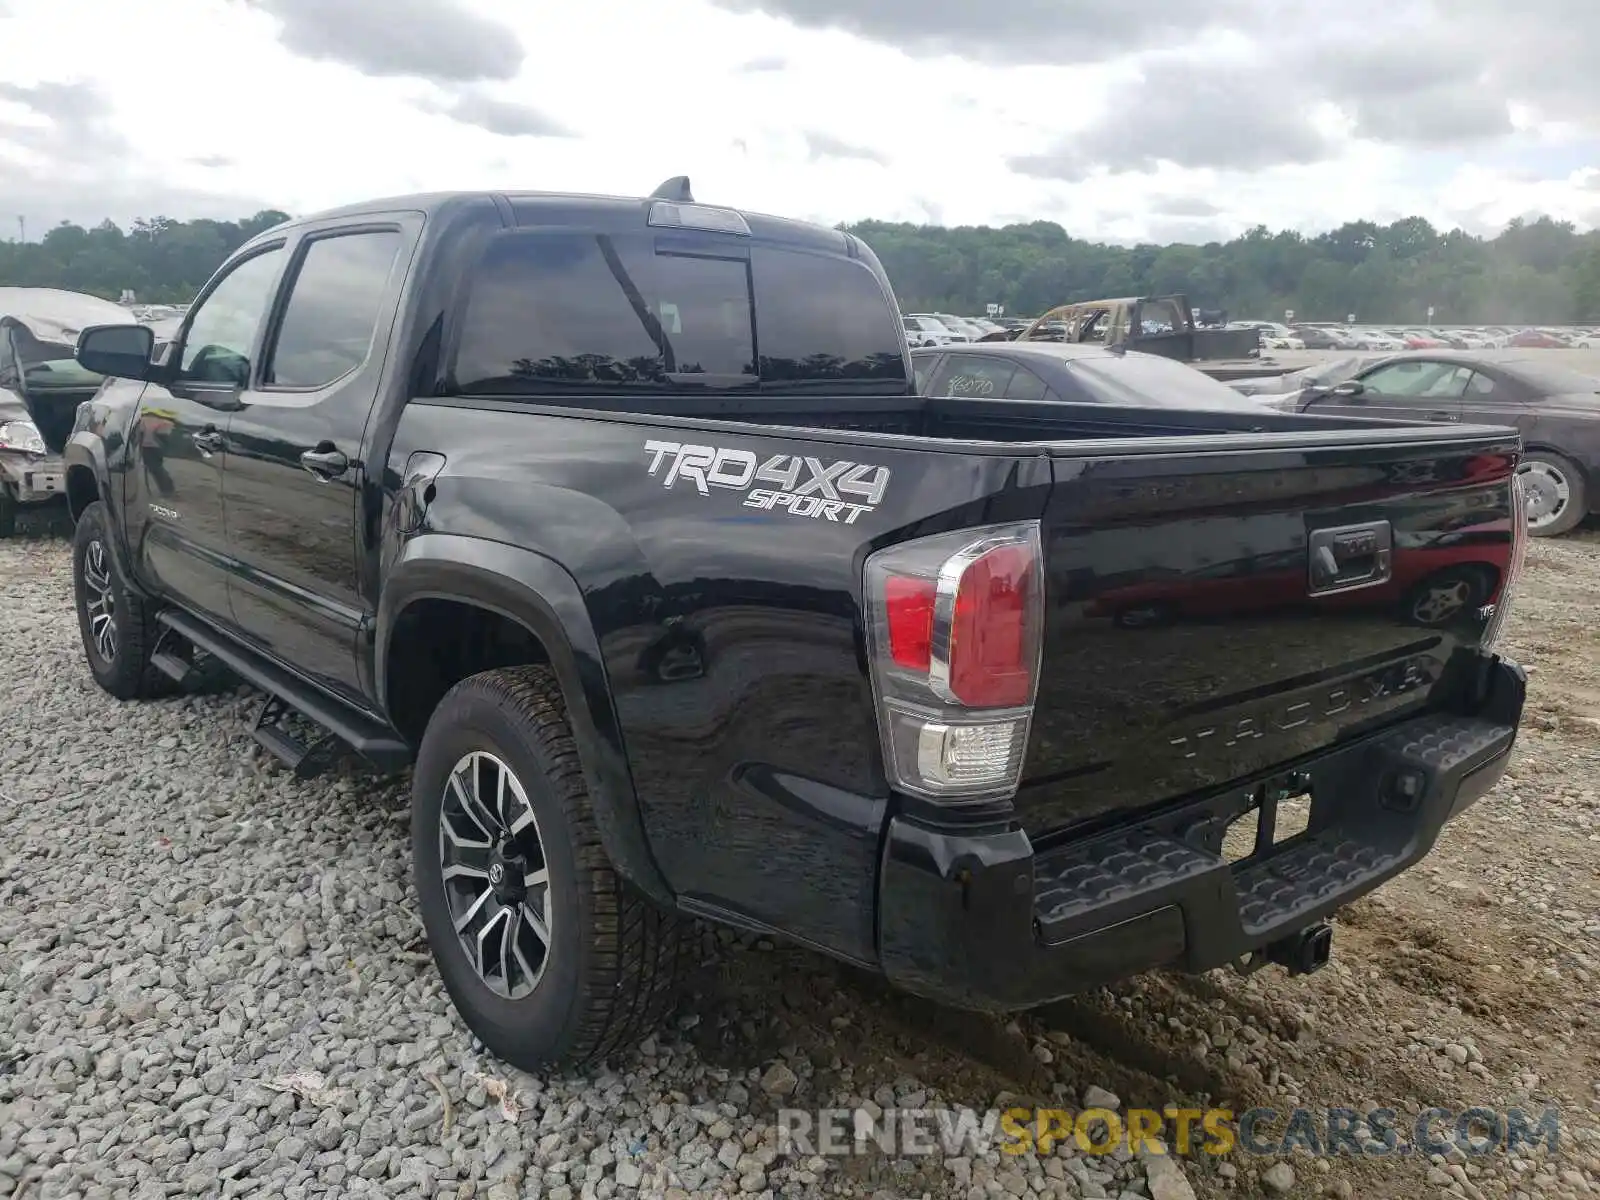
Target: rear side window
pixel 581 311
pixel 822 319
pixel 333 309
pixel 1025 385
pixel 703 306
pixel 973 375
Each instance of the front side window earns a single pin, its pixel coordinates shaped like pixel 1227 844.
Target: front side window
pixel 216 348
pixel 332 314
pixel 1416 378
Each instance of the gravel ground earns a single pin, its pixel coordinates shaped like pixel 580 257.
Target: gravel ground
pixel 213 982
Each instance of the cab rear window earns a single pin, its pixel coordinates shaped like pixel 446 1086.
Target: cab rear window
pixel 569 311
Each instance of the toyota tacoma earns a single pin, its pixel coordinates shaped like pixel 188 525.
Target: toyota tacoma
pixel 620 522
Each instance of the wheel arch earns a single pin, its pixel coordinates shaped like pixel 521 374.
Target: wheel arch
pixel 503 595
pixel 89 479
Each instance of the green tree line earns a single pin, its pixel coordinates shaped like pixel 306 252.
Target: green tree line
pixel 1536 272
pixel 161 260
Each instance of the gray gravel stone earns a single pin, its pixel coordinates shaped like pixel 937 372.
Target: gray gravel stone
pixel 1279 1178
pixel 248 928
pixel 1095 1096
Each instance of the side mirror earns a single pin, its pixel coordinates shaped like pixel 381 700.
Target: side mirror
pixel 1350 389
pixel 120 350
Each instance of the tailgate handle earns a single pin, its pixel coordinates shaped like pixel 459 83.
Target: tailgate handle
pixel 1350 556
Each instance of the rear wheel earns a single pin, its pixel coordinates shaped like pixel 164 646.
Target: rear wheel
pixel 1555 490
pixel 551 959
pixel 117 627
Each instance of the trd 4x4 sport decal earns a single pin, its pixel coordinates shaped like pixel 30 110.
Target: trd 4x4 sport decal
pixel 802 486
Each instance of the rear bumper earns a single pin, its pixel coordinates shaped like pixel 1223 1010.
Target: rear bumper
pixel 31 478
pixel 986 921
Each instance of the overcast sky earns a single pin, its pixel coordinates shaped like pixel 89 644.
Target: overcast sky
pixel 1180 120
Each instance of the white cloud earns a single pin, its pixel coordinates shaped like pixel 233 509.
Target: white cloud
pixel 209 108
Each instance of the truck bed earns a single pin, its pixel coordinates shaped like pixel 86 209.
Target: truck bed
pixel 730 626
pixel 923 421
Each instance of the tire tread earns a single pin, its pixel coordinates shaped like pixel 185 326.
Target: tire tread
pixel 132 677
pixel 632 977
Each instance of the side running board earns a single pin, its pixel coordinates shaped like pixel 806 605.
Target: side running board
pixel 367 736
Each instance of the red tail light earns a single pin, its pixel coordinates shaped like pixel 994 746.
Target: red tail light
pixel 990 664
pixel 908 605
pixel 955 630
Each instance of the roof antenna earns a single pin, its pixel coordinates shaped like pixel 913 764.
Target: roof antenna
pixel 675 189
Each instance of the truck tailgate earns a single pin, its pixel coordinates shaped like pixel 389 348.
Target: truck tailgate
pixel 1215 615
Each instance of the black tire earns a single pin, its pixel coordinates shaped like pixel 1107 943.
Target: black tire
pixel 1577 503
pixel 126 672
pixel 8 513
pixel 609 971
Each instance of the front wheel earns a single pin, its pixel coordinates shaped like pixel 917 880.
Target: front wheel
pixel 117 627
pixel 1555 491
pixel 551 959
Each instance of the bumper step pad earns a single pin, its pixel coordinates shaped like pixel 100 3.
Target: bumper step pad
pixel 1377 805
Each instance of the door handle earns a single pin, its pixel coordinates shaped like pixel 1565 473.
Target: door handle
pixel 325 462
pixel 208 441
pixel 1443 416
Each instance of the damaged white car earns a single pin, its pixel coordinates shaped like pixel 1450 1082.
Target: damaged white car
pixel 41 387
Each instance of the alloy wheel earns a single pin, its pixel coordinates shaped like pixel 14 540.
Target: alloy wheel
pixel 99 601
pixel 1548 491
pixel 496 879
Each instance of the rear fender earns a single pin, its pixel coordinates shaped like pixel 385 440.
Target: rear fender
pixel 539 594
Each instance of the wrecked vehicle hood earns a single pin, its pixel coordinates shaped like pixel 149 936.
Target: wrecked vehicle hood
pixel 39 330
pixel 56 317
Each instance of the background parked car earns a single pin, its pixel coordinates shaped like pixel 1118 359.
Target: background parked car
pixel 1321 337
pixel 38 331
pixel 1078 372
pixel 1556 409
pixel 923 330
pixel 1529 339
pixel 1377 339
pixel 1288 386
pixel 1273 335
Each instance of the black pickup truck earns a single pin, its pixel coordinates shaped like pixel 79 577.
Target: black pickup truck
pixel 621 521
